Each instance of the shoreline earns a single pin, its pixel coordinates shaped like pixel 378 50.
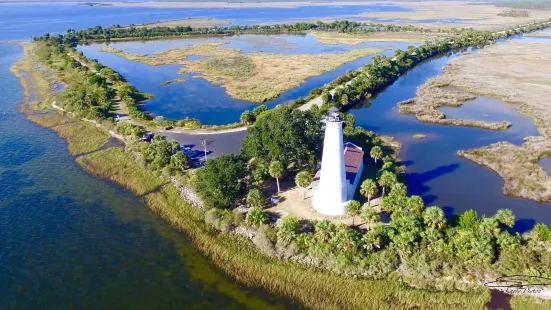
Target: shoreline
pixel 241 260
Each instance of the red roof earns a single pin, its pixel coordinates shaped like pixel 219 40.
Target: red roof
pixel 353 156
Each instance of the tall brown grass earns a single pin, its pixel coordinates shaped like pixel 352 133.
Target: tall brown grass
pixel 118 166
pixel 82 137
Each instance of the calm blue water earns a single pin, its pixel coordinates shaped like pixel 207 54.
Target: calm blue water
pixel 197 98
pixel 546 165
pixel 434 170
pixel 20 22
pixel 72 241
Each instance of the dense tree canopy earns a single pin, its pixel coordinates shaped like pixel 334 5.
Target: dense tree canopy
pixel 219 183
pixel 290 136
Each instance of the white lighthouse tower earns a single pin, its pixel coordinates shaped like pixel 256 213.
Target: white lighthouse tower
pixel 330 196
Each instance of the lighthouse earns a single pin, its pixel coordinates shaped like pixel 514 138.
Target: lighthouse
pixel 341 168
pixel 330 195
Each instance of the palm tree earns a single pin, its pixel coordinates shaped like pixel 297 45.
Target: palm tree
pixel 276 171
pixel 376 153
pixel 505 217
pixel 415 206
pixel 368 189
pixel 303 180
pixel 387 179
pixel 256 217
pixel 288 229
pixel 324 230
pixel 434 217
pixel 353 209
pixel 247 117
pixel 370 216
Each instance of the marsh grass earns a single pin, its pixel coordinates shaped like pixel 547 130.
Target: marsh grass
pixel 37 83
pixel 437 93
pixel 82 137
pixel 48 120
pixel 275 73
pixel 178 80
pixel 362 37
pixel 523 302
pixel 236 256
pixel 518 166
pixel 236 67
pixel 118 166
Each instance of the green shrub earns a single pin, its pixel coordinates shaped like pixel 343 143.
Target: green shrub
pixel 542 232
pixel 256 217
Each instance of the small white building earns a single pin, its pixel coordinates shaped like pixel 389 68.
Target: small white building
pixel 353 166
pixel 342 164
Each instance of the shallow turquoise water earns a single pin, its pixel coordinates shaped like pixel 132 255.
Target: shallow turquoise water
pixel 70 240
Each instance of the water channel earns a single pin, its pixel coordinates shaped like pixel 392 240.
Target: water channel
pixel 434 170
pixel 198 98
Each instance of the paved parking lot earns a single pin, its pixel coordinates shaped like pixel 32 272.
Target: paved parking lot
pixel 217 144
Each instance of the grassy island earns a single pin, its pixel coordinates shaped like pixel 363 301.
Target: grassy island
pixel 437 93
pixel 256 77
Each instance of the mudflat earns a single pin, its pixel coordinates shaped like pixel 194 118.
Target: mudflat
pixel 465 14
pixel 517 72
